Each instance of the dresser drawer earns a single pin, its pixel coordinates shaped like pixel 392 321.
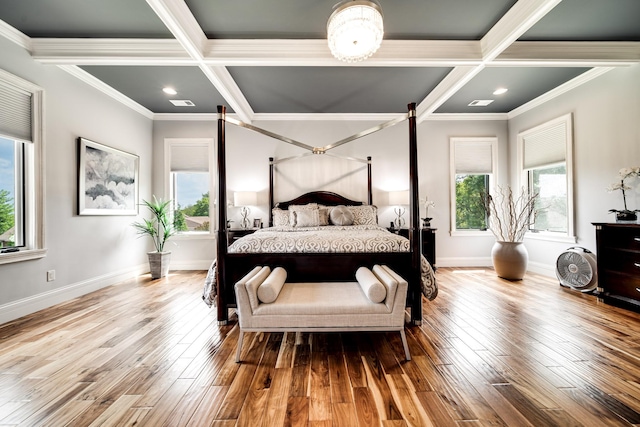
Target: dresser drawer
pixel 624 238
pixel 622 285
pixel 622 261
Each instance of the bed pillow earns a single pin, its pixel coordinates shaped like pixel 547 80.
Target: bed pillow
pixel 371 286
pixel 341 215
pixel 269 290
pixel 305 218
pixel 280 217
pixel 364 215
pixel 323 215
pixel 307 206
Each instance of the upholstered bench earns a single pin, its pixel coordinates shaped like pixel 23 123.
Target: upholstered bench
pixel 375 301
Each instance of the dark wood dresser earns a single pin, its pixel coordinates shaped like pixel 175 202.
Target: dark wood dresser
pixel 618 251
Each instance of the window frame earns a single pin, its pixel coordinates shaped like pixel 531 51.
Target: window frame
pixel 33 173
pixel 169 182
pixel 523 176
pixel 492 142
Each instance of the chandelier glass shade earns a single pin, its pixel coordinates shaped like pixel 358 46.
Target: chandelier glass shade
pixel 355 30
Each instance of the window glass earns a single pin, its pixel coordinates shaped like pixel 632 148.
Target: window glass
pixel 191 201
pixel 470 212
pixel 8 186
pixel 545 167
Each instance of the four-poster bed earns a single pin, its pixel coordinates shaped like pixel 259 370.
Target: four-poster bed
pixel 338 264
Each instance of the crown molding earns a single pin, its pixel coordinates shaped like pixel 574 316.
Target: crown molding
pixel 17 37
pixel 570 85
pixel 106 89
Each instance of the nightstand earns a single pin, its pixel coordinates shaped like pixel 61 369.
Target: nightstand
pixel 427 242
pixel 234 234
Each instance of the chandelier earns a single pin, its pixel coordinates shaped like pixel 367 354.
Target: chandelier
pixel 355 30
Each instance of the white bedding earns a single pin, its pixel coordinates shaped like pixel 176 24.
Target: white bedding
pixel 324 239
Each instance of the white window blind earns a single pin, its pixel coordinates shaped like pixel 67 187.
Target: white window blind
pixel 190 157
pixel 15 119
pixel 473 158
pixel 545 148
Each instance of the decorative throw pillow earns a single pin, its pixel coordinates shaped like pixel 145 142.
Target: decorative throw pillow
pixel 364 215
pixel 269 290
pixel 323 215
pixel 305 218
pixel 341 215
pixel 280 217
pixel 371 286
pixel 252 286
pixel 307 206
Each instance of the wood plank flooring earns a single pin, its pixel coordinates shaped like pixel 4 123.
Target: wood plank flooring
pixel 489 353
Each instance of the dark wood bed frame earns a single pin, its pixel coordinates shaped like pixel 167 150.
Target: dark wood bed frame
pixel 317 267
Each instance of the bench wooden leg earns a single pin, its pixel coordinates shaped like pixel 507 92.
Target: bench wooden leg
pixel 405 345
pixel 240 337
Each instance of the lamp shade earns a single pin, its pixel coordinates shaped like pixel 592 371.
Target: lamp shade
pixel 355 30
pixel 245 198
pixel 398 198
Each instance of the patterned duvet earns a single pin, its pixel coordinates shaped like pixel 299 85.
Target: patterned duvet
pixel 325 239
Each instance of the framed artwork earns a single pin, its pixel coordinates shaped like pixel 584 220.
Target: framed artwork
pixel 257 223
pixel 107 180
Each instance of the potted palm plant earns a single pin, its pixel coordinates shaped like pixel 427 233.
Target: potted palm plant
pixel 160 229
pixel 509 218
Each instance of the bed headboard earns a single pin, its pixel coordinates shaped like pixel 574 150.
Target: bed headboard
pixel 326 198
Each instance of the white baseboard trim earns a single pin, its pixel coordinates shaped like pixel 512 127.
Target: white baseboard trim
pixel 543 269
pixel 191 264
pixel 25 306
pixel 464 262
pixel 534 267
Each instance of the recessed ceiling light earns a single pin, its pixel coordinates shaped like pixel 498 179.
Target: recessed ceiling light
pixel 500 91
pixel 169 91
pixel 480 102
pixel 182 103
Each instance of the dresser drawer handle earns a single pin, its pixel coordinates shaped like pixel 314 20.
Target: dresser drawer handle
pixel 637 264
pixel 637 239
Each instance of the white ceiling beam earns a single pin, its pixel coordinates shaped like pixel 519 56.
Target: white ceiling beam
pixel 110 52
pixel 175 14
pixel 513 24
pixel 580 54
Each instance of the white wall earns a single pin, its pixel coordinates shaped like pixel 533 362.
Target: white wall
pixel 247 169
pixel 87 252
pixel 606 122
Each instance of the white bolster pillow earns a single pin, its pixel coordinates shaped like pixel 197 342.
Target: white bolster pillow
pixel 252 286
pixel 270 289
pixel 371 286
pixel 383 273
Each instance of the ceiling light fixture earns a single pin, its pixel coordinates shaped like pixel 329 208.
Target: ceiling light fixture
pixel 500 91
pixel 169 91
pixel 355 30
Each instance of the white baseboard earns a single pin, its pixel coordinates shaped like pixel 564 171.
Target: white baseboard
pixel 464 262
pixel 25 306
pixel 191 264
pixel 534 267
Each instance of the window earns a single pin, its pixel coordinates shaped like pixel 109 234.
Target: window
pixel 473 166
pixel 545 166
pixel 190 184
pixel 21 199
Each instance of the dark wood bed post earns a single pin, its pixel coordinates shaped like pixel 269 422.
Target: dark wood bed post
pixel 271 206
pixel 369 190
pixel 221 234
pixel 414 217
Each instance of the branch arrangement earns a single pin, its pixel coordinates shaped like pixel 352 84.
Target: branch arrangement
pixel 509 217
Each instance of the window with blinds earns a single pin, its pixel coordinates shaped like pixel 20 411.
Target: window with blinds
pixel 473 167
pixel 190 183
pixel 545 164
pixel 21 198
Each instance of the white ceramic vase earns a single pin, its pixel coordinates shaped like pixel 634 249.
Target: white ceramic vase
pixel 510 259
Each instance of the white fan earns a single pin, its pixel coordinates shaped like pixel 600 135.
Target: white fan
pixel 576 268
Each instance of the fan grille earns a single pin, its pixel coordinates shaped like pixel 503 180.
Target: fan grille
pixel 576 270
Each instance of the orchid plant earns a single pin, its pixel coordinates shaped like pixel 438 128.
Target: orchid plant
pixel 625 174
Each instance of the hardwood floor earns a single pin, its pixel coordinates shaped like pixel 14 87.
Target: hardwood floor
pixel 489 352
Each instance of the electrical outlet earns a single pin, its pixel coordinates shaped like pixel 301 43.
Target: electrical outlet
pixel 51 275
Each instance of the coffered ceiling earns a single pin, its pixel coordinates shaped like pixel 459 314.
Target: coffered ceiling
pixel 269 59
